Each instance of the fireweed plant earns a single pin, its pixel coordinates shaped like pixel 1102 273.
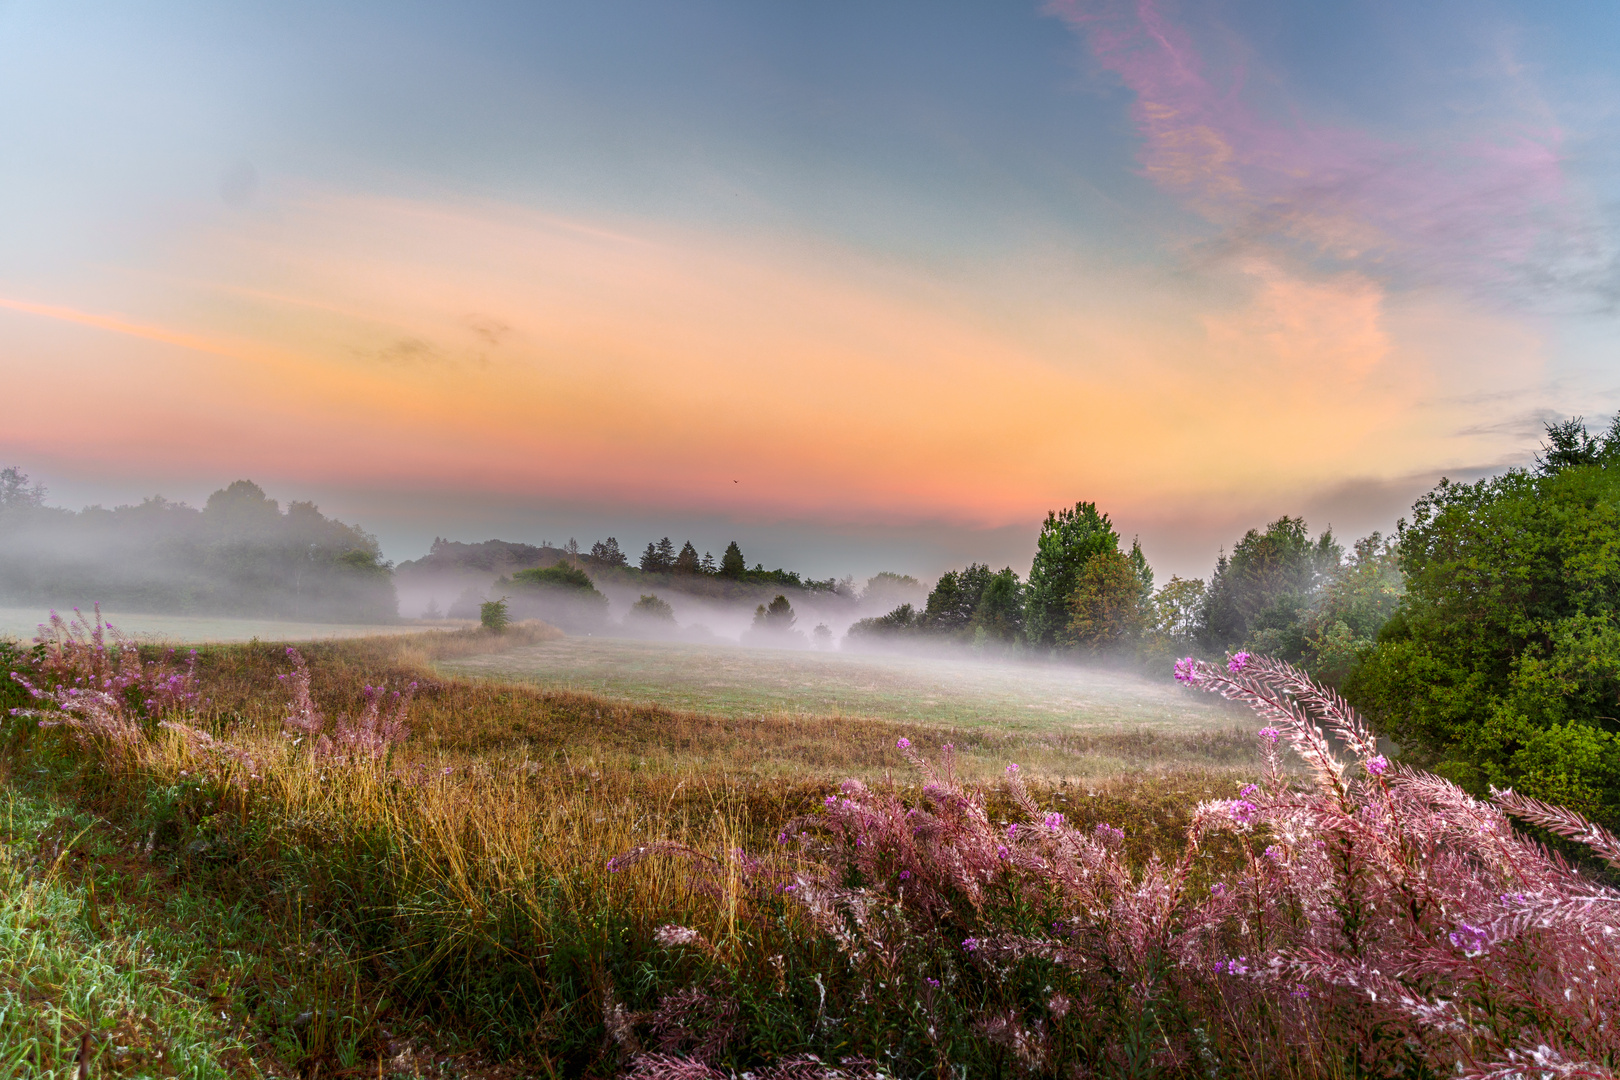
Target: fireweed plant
pixel 1380 922
pixel 89 679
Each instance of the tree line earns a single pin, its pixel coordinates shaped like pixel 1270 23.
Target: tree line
pixel 1483 637
pixel 241 553
pixel 661 557
pixel 1279 591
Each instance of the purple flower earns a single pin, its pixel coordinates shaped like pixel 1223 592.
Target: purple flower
pixel 1012 830
pixel 1108 834
pixel 1242 810
pixel 1001 850
pixel 1377 765
pixel 1054 821
pixel 1187 671
pixel 970 944
pixel 1249 791
pixel 1470 938
pixel 832 801
pixel 903 743
pixel 932 982
pixel 905 875
pixel 1239 661
pixel 1270 734
pixel 1012 769
pixel 1273 852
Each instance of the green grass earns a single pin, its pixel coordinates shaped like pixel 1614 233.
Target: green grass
pixel 960 692
pixel 123 973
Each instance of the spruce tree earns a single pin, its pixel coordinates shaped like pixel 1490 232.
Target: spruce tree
pixel 687 561
pixel 607 553
pixel 731 563
pixel 666 555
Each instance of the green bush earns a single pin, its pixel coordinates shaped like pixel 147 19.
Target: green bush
pixel 493 615
pixel 564 574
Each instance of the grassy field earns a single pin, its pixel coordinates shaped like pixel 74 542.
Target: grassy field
pixel 452 904
pixel 960 691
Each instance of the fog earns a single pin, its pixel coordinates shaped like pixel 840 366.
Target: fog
pixel 694 608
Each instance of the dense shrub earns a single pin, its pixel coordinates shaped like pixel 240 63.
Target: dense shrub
pixel 562 595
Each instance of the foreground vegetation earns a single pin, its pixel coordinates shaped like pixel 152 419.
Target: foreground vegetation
pixel 357 875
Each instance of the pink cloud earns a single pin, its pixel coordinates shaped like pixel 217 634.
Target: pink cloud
pixel 1477 211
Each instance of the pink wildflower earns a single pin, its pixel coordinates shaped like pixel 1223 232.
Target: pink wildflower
pixel 903 743
pixel 1377 765
pixel 1239 661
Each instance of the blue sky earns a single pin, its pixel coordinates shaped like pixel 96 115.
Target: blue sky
pixel 928 269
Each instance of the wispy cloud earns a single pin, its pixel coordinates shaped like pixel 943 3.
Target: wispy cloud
pixel 1484 210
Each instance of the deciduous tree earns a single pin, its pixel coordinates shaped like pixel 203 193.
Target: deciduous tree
pixel 1068 539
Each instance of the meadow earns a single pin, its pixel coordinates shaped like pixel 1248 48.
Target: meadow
pixel 343 859
pixel 956 689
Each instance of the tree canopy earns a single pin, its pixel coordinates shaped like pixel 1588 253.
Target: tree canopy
pixel 1259 596
pixel 240 554
pixel 1068 538
pixel 1106 608
pixel 1501 666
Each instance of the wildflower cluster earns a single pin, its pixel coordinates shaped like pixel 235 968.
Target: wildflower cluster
pixel 1377 915
pixel 367 736
pixel 89 679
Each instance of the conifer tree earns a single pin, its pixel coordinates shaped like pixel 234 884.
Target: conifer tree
pixel 687 561
pixel 731 563
pixel 607 553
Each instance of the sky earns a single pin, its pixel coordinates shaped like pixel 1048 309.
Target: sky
pixel 863 285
